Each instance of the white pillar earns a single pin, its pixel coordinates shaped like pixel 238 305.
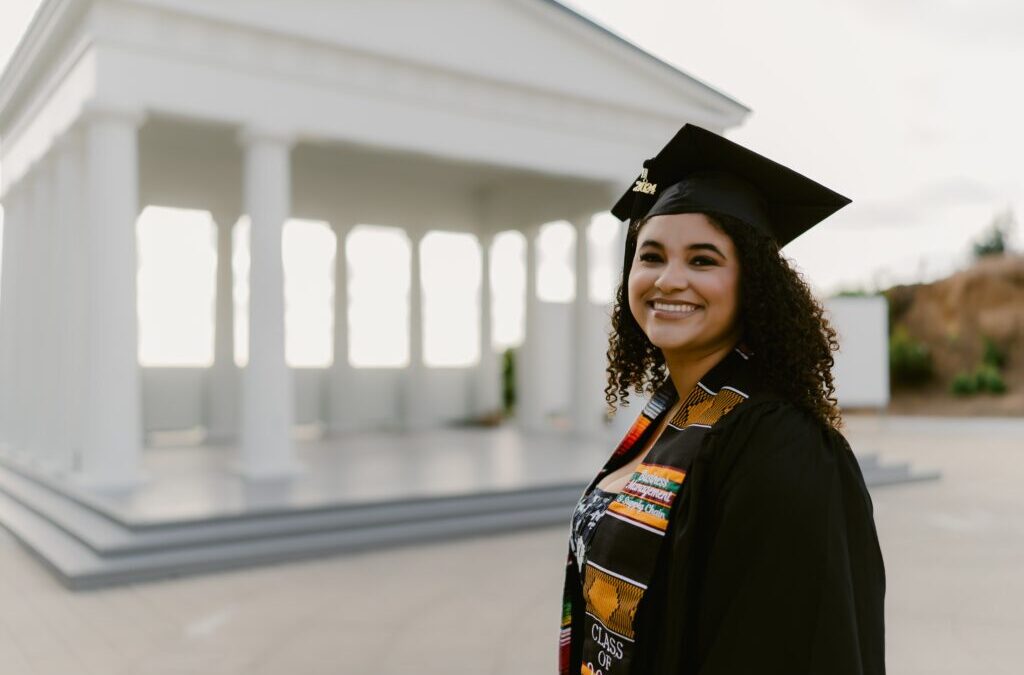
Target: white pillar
pixel 530 406
pixel 112 440
pixel 222 388
pixel 24 367
pixel 50 414
pixel 622 417
pixel 585 409
pixel 11 308
pixel 340 373
pixel 415 398
pixel 267 387
pixel 37 349
pixel 487 396
pixel 70 311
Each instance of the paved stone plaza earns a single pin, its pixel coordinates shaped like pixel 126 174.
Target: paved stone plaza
pixel 954 551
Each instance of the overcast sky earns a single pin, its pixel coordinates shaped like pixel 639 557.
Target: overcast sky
pixel 913 108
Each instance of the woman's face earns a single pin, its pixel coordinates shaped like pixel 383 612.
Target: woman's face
pixel 690 268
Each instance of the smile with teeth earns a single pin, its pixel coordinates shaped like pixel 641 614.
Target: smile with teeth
pixel 675 308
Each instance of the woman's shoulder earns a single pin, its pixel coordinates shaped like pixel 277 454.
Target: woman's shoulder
pixel 777 436
pixel 772 417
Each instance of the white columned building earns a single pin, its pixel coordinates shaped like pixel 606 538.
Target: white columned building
pixel 277 110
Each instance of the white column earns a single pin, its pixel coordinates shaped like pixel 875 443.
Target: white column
pixel 37 349
pixel 530 407
pixel 620 253
pixel 24 369
pixel 112 440
pixel 585 409
pixel 21 328
pixel 267 386
pixel 51 417
pixel 222 378
pixel 70 312
pixel 487 397
pixel 11 288
pixel 615 425
pixel 340 385
pixel 415 399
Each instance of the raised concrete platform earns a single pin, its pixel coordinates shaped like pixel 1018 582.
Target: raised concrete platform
pixel 358 492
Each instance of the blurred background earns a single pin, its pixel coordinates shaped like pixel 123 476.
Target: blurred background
pixel 303 311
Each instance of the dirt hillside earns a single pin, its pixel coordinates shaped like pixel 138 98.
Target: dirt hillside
pixel 953 317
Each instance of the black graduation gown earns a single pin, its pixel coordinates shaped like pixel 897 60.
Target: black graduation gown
pixel 771 562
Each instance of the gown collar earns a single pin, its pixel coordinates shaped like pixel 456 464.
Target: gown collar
pixel 732 372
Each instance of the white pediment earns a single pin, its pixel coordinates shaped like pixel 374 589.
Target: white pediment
pixel 531 43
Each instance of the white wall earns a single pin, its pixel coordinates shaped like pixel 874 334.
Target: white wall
pixel 862 364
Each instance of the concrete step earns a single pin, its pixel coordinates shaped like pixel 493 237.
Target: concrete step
pixel 891 473
pixel 866 460
pixel 79 567
pixel 87 547
pixel 894 474
pixel 109 537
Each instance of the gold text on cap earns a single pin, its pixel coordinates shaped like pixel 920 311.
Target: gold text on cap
pixel 643 186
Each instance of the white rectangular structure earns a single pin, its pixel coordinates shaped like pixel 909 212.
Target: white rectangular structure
pixel 862 363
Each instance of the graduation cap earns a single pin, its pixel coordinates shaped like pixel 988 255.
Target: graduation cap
pixel 700 171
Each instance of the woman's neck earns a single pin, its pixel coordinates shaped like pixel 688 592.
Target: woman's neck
pixel 687 369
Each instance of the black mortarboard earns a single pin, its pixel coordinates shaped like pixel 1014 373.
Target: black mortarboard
pixel 700 171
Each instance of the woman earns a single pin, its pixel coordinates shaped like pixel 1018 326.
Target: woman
pixel 731 531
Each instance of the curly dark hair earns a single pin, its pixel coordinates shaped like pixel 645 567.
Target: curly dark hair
pixel 782 323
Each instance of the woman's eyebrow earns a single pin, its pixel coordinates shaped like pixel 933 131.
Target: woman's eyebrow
pixel 701 246
pixel 706 247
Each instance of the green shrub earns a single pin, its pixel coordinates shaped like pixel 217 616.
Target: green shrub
pixel 987 378
pixel 993 356
pixel 964 384
pixel 910 361
pixel 508 380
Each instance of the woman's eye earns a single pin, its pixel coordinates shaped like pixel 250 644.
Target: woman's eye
pixel 700 261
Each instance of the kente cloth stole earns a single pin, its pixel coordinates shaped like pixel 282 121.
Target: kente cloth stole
pixel 621 557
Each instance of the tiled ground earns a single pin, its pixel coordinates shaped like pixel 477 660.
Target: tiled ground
pixel 954 552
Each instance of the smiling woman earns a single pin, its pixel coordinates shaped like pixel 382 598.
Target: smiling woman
pixel 739 535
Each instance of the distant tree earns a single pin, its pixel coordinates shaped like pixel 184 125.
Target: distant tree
pixel 993 241
pixel 854 293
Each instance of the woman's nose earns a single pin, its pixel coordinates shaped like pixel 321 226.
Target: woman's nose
pixel 672 278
